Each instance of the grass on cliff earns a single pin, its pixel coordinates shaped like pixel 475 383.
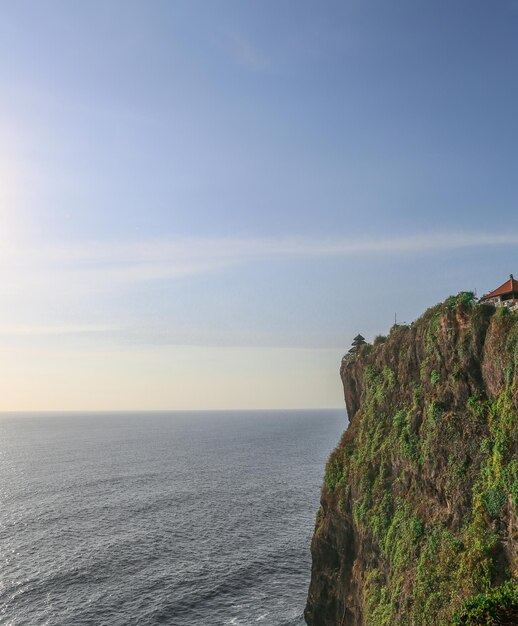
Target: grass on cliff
pixel 432 473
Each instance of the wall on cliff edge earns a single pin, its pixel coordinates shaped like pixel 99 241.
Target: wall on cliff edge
pixel 420 498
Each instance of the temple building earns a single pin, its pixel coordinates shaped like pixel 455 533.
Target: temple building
pixel 505 295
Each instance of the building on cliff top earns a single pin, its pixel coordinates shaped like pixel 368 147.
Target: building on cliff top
pixel 358 341
pixel 505 295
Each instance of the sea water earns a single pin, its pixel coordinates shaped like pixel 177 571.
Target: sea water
pixel 160 518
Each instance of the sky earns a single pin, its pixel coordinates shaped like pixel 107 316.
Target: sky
pixel 202 203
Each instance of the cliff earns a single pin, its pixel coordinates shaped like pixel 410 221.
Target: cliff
pixel 418 519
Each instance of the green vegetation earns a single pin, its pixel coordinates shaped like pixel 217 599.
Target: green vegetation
pixel 464 298
pixel 498 606
pixel 334 475
pixel 378 340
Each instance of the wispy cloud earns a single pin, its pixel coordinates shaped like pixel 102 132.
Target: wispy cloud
pixel 249 55
pixel 17 330
pixel 97 265
pixel 54 294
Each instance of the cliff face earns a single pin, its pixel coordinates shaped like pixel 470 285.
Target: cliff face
pixel 420 498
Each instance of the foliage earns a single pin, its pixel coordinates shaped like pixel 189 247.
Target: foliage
pixel 378 340
pixel 499 605
pixel 334 475
pixel 495 499
pixel 464 298
pixel 435 377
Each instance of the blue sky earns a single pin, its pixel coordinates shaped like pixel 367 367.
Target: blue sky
pixel 202 203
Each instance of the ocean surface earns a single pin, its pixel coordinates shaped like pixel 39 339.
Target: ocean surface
pixel 162 518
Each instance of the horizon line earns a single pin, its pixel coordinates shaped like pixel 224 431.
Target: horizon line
pixel 105 411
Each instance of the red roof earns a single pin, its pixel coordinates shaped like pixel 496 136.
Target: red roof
pixel 509 286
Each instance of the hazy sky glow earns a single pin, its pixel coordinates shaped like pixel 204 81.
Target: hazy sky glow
pixel 201 203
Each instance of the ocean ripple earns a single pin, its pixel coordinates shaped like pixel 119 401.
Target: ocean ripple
pixel 163 518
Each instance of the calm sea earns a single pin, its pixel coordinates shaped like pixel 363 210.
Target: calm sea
pixel 164 518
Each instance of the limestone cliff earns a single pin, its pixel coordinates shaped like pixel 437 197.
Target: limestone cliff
pixel 418 519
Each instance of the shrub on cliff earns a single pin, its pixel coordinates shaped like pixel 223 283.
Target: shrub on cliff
pixel 498 607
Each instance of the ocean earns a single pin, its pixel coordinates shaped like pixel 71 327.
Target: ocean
pixel 185 519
